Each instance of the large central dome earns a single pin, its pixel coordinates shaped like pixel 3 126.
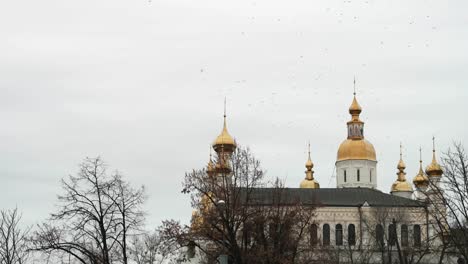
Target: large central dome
pixel 360 149
pixel 356 162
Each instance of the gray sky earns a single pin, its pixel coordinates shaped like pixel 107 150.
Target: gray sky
pixel 142 83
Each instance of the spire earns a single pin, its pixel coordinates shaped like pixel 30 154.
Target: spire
pixel 309 165
pixel 420 180
pixel 224 141
pixel 309 181
pixel 401 152
pixel 354 86
pixel 434 168
pixel 224 127
pixel 420 160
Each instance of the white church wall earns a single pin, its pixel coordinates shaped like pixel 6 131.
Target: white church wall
pixel 356 173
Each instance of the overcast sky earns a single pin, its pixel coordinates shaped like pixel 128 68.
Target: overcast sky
pixel 142 84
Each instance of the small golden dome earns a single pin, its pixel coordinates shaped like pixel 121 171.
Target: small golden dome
pixel 420 180
pixel 401 185
pixel 355 108
pixel 309 181
pixel 359 149
pixel 311 184
pixel 224 140
pixel 434 168
pixel 401 165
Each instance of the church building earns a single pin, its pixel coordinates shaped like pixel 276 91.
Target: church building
pixel 355 212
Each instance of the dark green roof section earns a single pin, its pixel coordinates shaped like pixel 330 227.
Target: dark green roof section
pixel 337 197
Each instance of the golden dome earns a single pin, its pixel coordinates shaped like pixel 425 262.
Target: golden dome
pixel 434 168
pixel 311 184
pixel 401 185
pixel 355 108
pixel 401 165
pixel 360 149
pixel 224 140
pixel 356 147
pixel 309 181
pixel 420 180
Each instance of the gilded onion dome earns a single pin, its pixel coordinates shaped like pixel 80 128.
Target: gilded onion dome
pixel 309 181
pixel 421 180
pixel 355 109
pixel 355 147
pixel 434 168
pixel 224 141
pixel 401 185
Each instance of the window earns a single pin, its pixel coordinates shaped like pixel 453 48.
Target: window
pixel 370 175
pixel 326 234
pixel 417 235
pixel 404 235
pixel 344 175
pixel 351 235
pixel 339 235
pixel 358 175
pixel 392 236
pixel 379 235
pixel 313 235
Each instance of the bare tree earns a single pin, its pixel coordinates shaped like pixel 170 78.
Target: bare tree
pixel 448 198
pixel 151 248
pixel 234 217
pixel 14 242
pixel 95 214
pixel 130 218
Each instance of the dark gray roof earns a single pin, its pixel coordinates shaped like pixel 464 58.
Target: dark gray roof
pixel 338 197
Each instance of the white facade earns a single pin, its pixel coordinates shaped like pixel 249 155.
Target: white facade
pixel 356 173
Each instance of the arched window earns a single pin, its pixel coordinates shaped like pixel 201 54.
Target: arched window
pixel 379 235
pixel 326 234
pixel 313 235
pixel 344 175
pixel 417 235
pixel 370 175
pixel 404 235
pixel 339 235
pixel 358 175
pixel 392 236
pixel 351 235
